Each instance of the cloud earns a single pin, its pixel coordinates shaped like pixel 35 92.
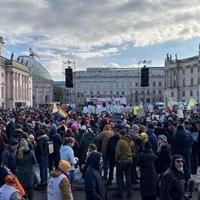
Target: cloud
pixel 93 30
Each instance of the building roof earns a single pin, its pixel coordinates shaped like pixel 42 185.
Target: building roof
pixel 36 68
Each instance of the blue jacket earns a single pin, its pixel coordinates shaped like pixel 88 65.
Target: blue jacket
pixel 153 140
pixel 67 153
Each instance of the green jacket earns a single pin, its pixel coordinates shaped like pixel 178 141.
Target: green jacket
pixel 125 149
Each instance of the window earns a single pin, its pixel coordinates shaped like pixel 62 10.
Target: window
pixel 183 71
pixel 2 92
pixel 154 92
pixel 160 83
pixel 111 92
pixel 122 92
pixel 174 83
pixel 183 93
pixel 160 92
pixel 148 92
pixel 172 94
pixel 184 82
pixel 154 84
pixel 117 92
pixel 192 81
pixel 136 84
pixel 191 69
pixel 191 93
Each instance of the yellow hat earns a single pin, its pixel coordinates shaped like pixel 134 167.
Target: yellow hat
pixel 144 137
pixel 64 165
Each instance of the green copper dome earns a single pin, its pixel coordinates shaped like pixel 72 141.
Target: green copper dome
pixel 35 67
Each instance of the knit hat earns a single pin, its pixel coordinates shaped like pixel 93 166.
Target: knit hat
pixel 64 165
pixel 23 144
pixel 144 137
pixel 162 138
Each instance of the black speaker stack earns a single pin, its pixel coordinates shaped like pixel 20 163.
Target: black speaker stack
pixel 144 77
pixel 69 77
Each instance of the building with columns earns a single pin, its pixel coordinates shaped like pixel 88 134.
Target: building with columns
pixel 115 82
pixel 182 78
pixel 15 82
pixel 43 85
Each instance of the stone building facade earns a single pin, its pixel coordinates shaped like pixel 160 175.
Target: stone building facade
pixel 43 85
pixel 116 82
pixel 15 82
pixel 182 78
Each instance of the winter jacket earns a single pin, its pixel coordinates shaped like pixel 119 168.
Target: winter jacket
pixel 67 153
pixel 9 159
pixel 152 140
pixel 112 143
pixel 63 189
pixel 25 169
pixel 42 147
pixel 163 160
pixel 86 140
pixel 56 139
pixel 103 138
pixel 172 187
pixel 181 144
pixel 146 161
pixel 125 149
pixel 94 188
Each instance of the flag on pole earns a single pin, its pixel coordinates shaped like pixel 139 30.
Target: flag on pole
pixel 192 102
pixel 170 102
pixel 54 109
pixel 136 110
pixel 61 113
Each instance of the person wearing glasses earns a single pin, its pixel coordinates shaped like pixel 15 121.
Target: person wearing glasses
pixel 172 183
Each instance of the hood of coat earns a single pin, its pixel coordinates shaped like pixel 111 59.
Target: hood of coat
pixel 65 148
pixel 55 173
pixel 128 138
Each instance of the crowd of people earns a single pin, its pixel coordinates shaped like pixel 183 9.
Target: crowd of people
pixel 159 151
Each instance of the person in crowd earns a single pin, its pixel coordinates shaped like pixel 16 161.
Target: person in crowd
pixel 152 137
pixel 59 187
pixel 137 141
pixel 124 154
pixel 42 153
pixel 181 144
pixel 163 155
pixel 148 179
pixel 67 153
pixel 9 155
pixel 94 188
pixel 143 139
pixel 56 139
pixel 91 148
pixel 25 161
pixel 7 190
pixel 102 140
pixel 110 154
pixel 172 184
pixel 87 139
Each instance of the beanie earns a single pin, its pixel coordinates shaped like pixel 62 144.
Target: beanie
pixel 144 137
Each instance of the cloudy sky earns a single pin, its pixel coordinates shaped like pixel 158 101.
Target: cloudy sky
pixel 97 33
